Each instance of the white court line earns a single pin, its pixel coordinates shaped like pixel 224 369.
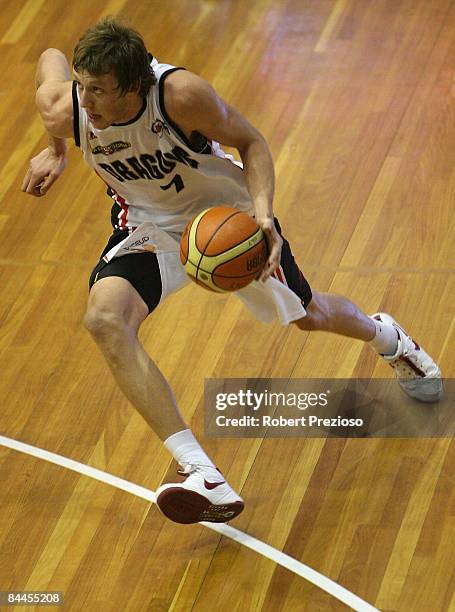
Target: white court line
pixel 319 580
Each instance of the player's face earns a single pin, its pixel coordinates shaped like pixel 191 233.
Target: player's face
pixel 102 99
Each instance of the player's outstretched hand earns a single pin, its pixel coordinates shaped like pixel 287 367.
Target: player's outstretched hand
pixel 43 171
pixel 274 244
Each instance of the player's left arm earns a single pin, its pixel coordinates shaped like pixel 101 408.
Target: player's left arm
pixel 193 105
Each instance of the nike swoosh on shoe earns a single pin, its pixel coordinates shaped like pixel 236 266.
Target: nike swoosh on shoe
pixel 213 485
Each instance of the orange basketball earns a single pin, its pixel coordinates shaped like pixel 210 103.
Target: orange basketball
pixel 223 249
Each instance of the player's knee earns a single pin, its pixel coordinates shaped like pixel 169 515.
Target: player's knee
pixel 317 315
pixel 306 323
pixel 101 323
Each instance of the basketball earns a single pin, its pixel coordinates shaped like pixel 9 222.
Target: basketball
pixel 223 249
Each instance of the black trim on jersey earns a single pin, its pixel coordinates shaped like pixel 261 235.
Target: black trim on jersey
pixel 138 116
pixel 77 136
pixel 116 209
pixel 197 142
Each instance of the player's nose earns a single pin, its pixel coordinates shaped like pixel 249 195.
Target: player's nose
pixel 85 100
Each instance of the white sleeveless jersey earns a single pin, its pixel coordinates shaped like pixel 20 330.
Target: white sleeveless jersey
pixel 152 171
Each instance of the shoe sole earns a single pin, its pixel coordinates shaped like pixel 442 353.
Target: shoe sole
pixel 427 398
pixel 185 507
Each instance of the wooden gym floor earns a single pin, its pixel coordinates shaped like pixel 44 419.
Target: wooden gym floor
pixel 356 99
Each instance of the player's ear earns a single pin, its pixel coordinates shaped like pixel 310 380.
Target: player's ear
pixel 133 93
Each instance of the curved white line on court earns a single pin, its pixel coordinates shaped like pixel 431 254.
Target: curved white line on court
pixel 319 580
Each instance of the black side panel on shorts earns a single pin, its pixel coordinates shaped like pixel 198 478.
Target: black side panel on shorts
pixel 77 136
pixel 140 269
pixel 294 277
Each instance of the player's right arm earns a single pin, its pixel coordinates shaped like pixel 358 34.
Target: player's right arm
pixel 55 105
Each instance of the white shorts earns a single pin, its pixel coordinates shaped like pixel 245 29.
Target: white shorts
pixel 267 301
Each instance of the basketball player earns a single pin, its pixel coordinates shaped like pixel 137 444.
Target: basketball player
pixel 150 131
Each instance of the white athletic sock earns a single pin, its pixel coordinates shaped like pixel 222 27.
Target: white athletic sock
pixel 386 339
pixel 186 450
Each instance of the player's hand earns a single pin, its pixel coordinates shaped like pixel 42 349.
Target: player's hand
pixel 274 245
pixel 43 171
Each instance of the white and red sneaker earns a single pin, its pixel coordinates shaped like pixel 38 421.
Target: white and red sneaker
pixel 199 498
pixel 418 375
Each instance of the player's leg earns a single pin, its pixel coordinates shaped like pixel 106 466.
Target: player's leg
pixel 123 293
pixel 334 313
pixel 417 373
pixel 114 314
